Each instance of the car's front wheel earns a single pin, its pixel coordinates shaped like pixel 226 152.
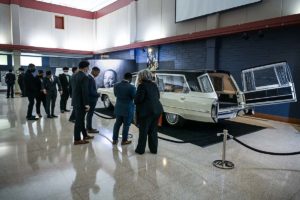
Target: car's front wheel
pixel 106 102
pixel 174 119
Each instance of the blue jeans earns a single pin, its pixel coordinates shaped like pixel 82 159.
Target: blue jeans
pixel 126 121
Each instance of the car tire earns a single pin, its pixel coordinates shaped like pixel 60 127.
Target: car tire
pixel 106 102
pixel 174 119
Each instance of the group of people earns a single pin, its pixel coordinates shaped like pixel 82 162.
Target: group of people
pixel 148 110
pixel 142 102
pixel 43 90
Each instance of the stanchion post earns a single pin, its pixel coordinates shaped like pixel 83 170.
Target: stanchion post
pixel 225 132
pixel 223 164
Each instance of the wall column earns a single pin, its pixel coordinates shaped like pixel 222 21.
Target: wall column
pixel 16 56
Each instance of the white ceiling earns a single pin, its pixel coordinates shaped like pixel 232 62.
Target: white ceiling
pixel 89 5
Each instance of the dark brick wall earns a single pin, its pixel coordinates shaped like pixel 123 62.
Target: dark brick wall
pixel 124 55
pixel 183 55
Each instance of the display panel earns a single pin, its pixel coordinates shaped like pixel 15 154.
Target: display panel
pixel 26 60
pixel 3 59
pixel 189 9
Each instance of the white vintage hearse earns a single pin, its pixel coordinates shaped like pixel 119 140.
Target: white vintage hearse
pixel 213 95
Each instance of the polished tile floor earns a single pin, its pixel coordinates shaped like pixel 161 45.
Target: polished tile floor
pixel 38 161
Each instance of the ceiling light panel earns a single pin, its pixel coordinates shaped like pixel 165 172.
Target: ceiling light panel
pixel 89 5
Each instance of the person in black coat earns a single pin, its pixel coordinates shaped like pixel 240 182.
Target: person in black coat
pixel 51 83
pixel 21 81
pixel 30 90
pixel 93 98
pixel 124 108
pixel 64 79
pixel 10 80
pixel 72 116
pixel 40 97
pixel 148 111
pixel 80 102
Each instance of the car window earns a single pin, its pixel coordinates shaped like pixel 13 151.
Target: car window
pixel 172 83
pixel 133 82
pixel 205 84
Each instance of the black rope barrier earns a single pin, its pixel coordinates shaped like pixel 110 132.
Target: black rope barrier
pixel 229 136
pixel 104 117
pixel 265 152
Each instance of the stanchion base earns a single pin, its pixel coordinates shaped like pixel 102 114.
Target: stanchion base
pixel 223 165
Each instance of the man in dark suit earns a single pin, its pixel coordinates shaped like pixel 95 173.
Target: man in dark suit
pixel 40 97
pixel 124 109
pixel 51 83
pixel 30 90
pixel 64 79
pixel 93 98
pixel 72 116
pixel 21 81
pixel 80 102
pixel 10 79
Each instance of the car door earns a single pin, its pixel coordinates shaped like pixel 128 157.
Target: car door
pixel 173 90
pixel 268 84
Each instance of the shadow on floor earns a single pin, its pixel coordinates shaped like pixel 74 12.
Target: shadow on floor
pixel 204 134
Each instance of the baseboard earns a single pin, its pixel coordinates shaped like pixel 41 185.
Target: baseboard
pixel 277 118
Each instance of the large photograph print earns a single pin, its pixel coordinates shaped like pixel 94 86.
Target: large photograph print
pixel 112 71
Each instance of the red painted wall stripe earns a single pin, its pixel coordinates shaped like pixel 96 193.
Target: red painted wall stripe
pixel 43 6
pixel 111 8
pixel 5 1
pixel 37 5
pixel 24 48
pixel 269 23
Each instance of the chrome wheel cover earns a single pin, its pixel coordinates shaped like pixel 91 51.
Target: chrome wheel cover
pixel 172 119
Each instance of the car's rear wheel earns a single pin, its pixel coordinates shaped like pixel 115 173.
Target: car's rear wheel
pixel 106 102
pixel 174 119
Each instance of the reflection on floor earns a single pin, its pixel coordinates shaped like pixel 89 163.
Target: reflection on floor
pixel 38 161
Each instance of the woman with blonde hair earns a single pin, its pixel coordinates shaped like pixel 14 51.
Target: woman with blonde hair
pixel 148 110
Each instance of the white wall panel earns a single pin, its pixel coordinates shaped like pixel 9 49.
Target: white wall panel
pixel 5 27
pixel 115 29
pixel 264 10
pixel 290 7
pixel 149 16
pixel 168 18
pixel 38 29
pixel 189 9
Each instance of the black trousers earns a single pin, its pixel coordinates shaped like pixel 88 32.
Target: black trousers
pixel 22 89
pixel 50 99
pixel 41 98
pixel 147 127
pixel 89 116
pixel 30 105
pixel 79 126
pixel 63 100
pixel 72 116
pixel 10 90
